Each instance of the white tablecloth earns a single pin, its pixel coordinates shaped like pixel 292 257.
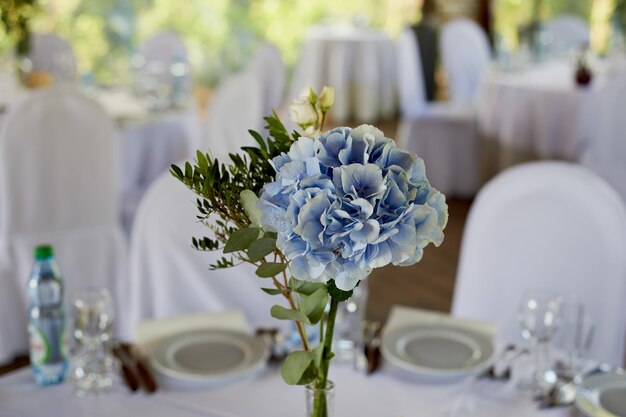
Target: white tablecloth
pixel 540 113
pixel 358 63
pixel 384 394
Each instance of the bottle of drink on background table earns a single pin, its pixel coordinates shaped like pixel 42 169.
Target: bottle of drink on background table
pixel 47 324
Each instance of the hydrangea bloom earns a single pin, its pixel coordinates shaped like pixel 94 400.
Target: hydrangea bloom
pixel 350 201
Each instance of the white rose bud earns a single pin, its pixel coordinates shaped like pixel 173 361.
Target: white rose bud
pixel 327 98
pixel 303 113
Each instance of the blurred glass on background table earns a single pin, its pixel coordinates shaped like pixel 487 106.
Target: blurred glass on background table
pixel 91 364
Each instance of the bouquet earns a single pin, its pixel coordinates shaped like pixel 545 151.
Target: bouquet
pixel 315 211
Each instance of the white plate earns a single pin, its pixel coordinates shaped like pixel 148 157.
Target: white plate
pixel 603 395
pixel 209 356
pixel 441 352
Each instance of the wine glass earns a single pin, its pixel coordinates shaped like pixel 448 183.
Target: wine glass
pixel 540 316
pixel 92 318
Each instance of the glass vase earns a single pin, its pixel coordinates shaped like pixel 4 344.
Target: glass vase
pixel 320 402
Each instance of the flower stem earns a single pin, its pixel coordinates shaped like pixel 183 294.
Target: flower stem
pixel 319 404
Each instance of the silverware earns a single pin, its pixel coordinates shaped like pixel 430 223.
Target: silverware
pixel 126 367
pixel 273 339
pixel 372 341
pixel 141 367
pixel 505 359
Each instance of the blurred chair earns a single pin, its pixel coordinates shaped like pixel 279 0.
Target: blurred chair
pixel 160 53
pixel 465 56
pixel 58 185
pixel 546 225
pixel 168 277
pixel 236 106
pixel 445 135
pixel 267 64
pixel 567 32
pixel 51 54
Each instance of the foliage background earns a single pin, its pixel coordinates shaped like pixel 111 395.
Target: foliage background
pixel 221 34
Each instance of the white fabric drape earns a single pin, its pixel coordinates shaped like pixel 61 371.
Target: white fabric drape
pixel 546 225
pixel 465 55
pixel 236 107
pixel 168 277
pixel 267 64
pixel 567 32
pixel 54 55
pixel 358 63
pixel 445 135
pixel 58 185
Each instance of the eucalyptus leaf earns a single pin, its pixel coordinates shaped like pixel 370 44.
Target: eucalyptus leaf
pixel 270 269
pixel 298 368
pixel 259 249
pixel 241 239
pixel 308 288
pixel 248 201
pixel 282 313
pixel 318 353
pixel 273 291
pixel 313 306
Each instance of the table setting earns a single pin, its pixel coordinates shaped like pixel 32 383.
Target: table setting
pixel 313 236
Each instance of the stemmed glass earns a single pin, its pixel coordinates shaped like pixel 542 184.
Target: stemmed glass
pixel 540 316
pixel 92 318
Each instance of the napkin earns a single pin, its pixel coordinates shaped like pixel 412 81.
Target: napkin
pixel 150 331
pixel 401 316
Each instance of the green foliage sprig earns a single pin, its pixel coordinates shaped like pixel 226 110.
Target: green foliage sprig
pixel 15 16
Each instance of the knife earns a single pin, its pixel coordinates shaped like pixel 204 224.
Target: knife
pixel 146 378
pixel 129 377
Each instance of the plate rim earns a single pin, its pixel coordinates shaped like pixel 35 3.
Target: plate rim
pixel 253 367
pixel 396 360
pixel 588 403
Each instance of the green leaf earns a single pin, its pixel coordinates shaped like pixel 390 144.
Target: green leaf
pixel 273 291
pixel 248 201
pixel 313 306
pixel 298 368
pixel 177 172
pixel 306 288
pixel 259 249
pixel 241 239
pixel 282 313
pixel 317 355
pixel 336 293
pixel 202 161
pixel 270 269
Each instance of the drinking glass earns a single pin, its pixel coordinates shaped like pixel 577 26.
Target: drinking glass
pixel 92 318
pixel 576 337
pixel 540 316
pixel 349 324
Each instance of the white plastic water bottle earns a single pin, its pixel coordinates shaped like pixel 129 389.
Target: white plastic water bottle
pixel 47 322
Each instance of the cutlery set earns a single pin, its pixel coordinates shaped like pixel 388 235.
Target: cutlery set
pixel 134 368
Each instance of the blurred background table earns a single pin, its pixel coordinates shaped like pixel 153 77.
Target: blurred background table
pixel 358 62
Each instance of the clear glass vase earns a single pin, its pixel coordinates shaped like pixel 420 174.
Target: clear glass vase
pixel 320 402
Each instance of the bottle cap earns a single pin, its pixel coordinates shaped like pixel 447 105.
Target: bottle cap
pixel 43 252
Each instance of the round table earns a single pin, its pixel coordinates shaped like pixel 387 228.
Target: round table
pixel 358 63
pixel 540 112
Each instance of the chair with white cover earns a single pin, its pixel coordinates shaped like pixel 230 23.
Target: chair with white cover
pixel 551 226
pixel 58 185
pixel 161 51
pixel 445 135
pixel 567 32
pixel 267 64
pixel 236 106
pixel 465 55
pixel 168 277
pixel 54 55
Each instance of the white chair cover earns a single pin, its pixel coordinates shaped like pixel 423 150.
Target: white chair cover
pixel 267 64
pixel 236 107
pixel 465 55
pixel 161 50
pixel 168 277
pixel 567 32
pixel 58 185
pixel 54 55
pixel 410 78
pixel 445 135
pixel 546 225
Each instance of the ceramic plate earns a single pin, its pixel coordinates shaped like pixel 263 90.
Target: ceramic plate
pixel 208 356
pixel 603 395
pixel 438 351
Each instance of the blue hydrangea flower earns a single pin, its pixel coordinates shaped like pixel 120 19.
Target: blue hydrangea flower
pixel 350 201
